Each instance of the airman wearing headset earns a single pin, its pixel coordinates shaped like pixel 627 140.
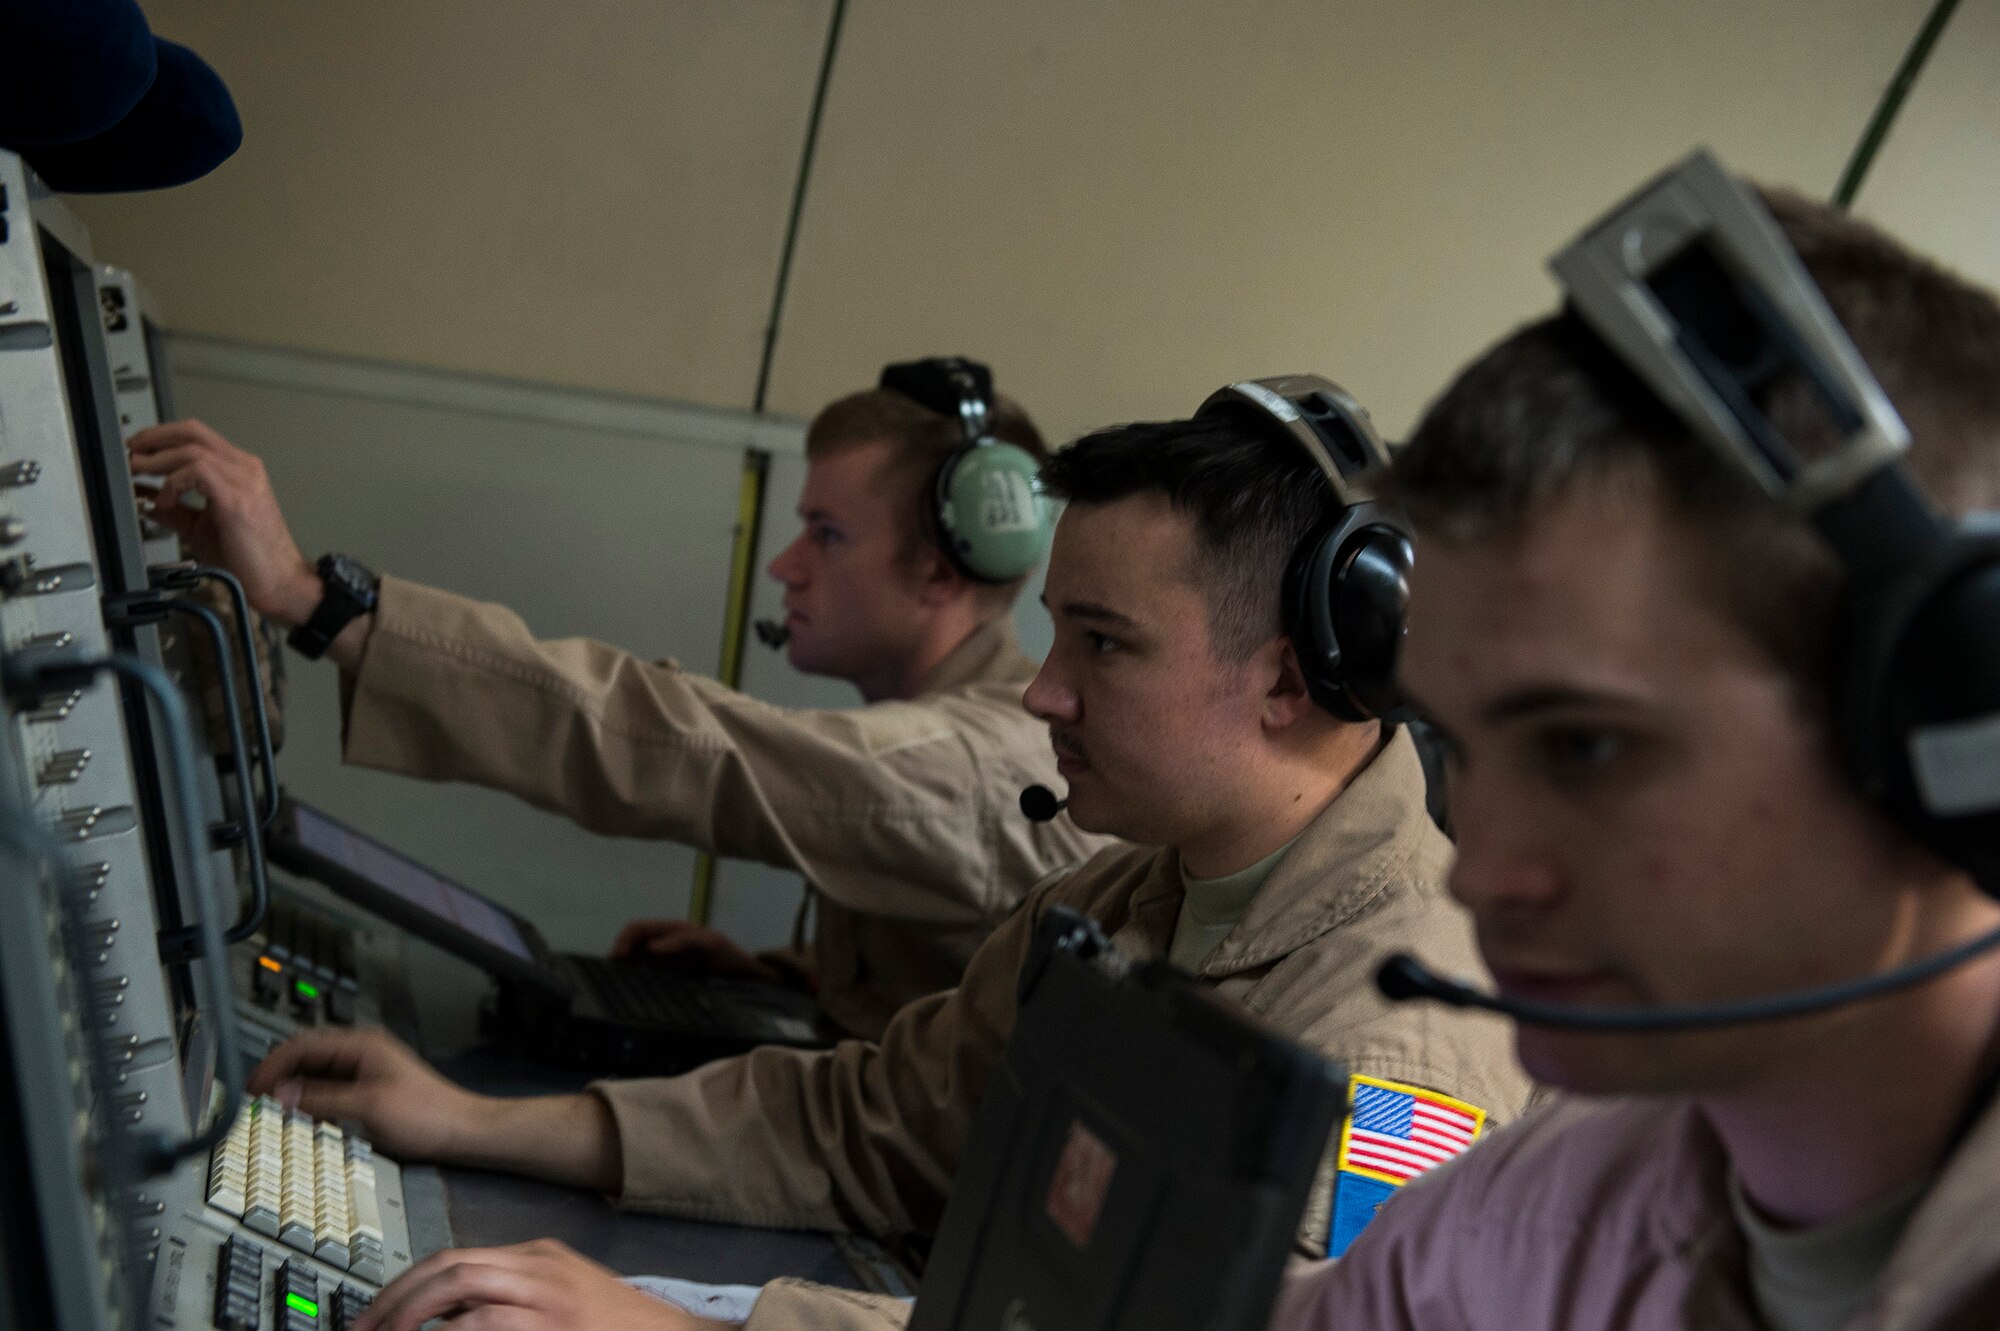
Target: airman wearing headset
pixel 921 522
pixel 1702 615
pixel 1228 598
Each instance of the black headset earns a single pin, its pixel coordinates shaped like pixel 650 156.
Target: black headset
pixel 1698 299
pixel 986 507
pixel 1693 288
pixel 1347 584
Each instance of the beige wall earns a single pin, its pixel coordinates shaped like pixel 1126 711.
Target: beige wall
pixel 1120 204
pixel 589 194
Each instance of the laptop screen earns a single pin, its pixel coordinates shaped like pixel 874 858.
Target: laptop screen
pixel 422 888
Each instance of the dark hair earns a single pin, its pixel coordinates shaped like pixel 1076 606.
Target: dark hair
pixel 1547 412
pixel 1253 497
pixel 919 440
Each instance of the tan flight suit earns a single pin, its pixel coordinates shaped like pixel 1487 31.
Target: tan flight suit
pixel 867 1137
pixel 1592 1215
pixel 904 816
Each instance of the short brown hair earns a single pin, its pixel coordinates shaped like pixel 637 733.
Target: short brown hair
pixel 1538 417
pixel 919 440
pixel 1252 495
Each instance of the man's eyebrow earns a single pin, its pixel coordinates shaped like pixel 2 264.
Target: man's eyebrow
pixel 1532 700
pixel 1091 610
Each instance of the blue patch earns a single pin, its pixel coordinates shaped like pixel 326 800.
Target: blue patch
pixel 1356 1198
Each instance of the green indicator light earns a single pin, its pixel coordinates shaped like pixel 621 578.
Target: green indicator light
pixel 309 990
pixel 300 1303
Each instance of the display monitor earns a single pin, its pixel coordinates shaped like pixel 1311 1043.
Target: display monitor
pixel 422 888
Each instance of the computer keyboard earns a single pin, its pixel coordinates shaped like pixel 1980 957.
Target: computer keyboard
pixel 298 1225
pixel 291 1224
pixel 307 1184
pixel 639 993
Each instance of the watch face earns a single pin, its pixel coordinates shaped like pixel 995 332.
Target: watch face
pixel 351 575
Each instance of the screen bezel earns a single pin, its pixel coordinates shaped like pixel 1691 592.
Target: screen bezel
pixel 285 849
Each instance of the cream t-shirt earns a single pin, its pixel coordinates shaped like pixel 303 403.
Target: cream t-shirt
pixel 1212 907
pixel 1818 1278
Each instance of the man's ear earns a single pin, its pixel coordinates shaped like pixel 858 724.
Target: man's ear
pixel 1288 699
pixel 939 581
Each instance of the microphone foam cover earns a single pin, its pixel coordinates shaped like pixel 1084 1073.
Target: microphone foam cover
pixel 1040 804
pixel 1402 977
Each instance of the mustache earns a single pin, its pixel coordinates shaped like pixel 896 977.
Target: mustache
pixel 1066 745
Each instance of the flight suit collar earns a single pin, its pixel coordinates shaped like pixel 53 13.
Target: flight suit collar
pixel 988 652
pixel 1691 1226
pixel 1945 1264
pixel 1361 843
pixel 1146 929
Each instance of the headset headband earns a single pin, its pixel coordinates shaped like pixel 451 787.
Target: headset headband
pixel 1325 420
pixel 1696 290
pixel 1346 584
pixel 955 387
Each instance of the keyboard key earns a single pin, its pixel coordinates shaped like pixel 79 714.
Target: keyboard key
pixel 297 1298
pixel 313 1187
pixel 349 1302
pixel 239 1278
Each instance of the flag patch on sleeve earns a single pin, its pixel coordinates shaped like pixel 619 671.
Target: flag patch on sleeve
pixel 1393 1133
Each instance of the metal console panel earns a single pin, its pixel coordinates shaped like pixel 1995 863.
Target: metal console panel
pixel 71 1253
pixel 99 1046
pixel 75 749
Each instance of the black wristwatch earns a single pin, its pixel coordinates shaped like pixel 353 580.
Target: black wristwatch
pixel 351 589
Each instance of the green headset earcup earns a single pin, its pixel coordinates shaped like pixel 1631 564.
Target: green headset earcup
pixel 992 517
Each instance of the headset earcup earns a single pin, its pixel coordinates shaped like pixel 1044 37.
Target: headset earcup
pixel 991 516
pixel 1346 594
pixel 1372 607
pixel 1917 709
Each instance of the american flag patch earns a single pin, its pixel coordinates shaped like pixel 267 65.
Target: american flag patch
pixel 1396 1132
pixel 1393 1133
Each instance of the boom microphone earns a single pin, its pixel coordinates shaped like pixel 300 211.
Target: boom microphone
pixel 772 633
pixel 1040 804
pixel 1403 978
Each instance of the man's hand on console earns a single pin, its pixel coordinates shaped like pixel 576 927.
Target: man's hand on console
pixel 539 1286
pixel 367 1074
pixel 684 945
pixel 410 1112
pixel 238 525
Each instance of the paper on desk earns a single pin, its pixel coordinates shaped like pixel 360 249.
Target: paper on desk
pixel 723 1303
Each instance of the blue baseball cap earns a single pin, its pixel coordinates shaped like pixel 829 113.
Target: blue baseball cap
pixel 96 103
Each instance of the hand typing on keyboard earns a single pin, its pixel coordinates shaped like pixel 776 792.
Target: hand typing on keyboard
pixel 539 1286
pixel 411 1113
pixel 369 1076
